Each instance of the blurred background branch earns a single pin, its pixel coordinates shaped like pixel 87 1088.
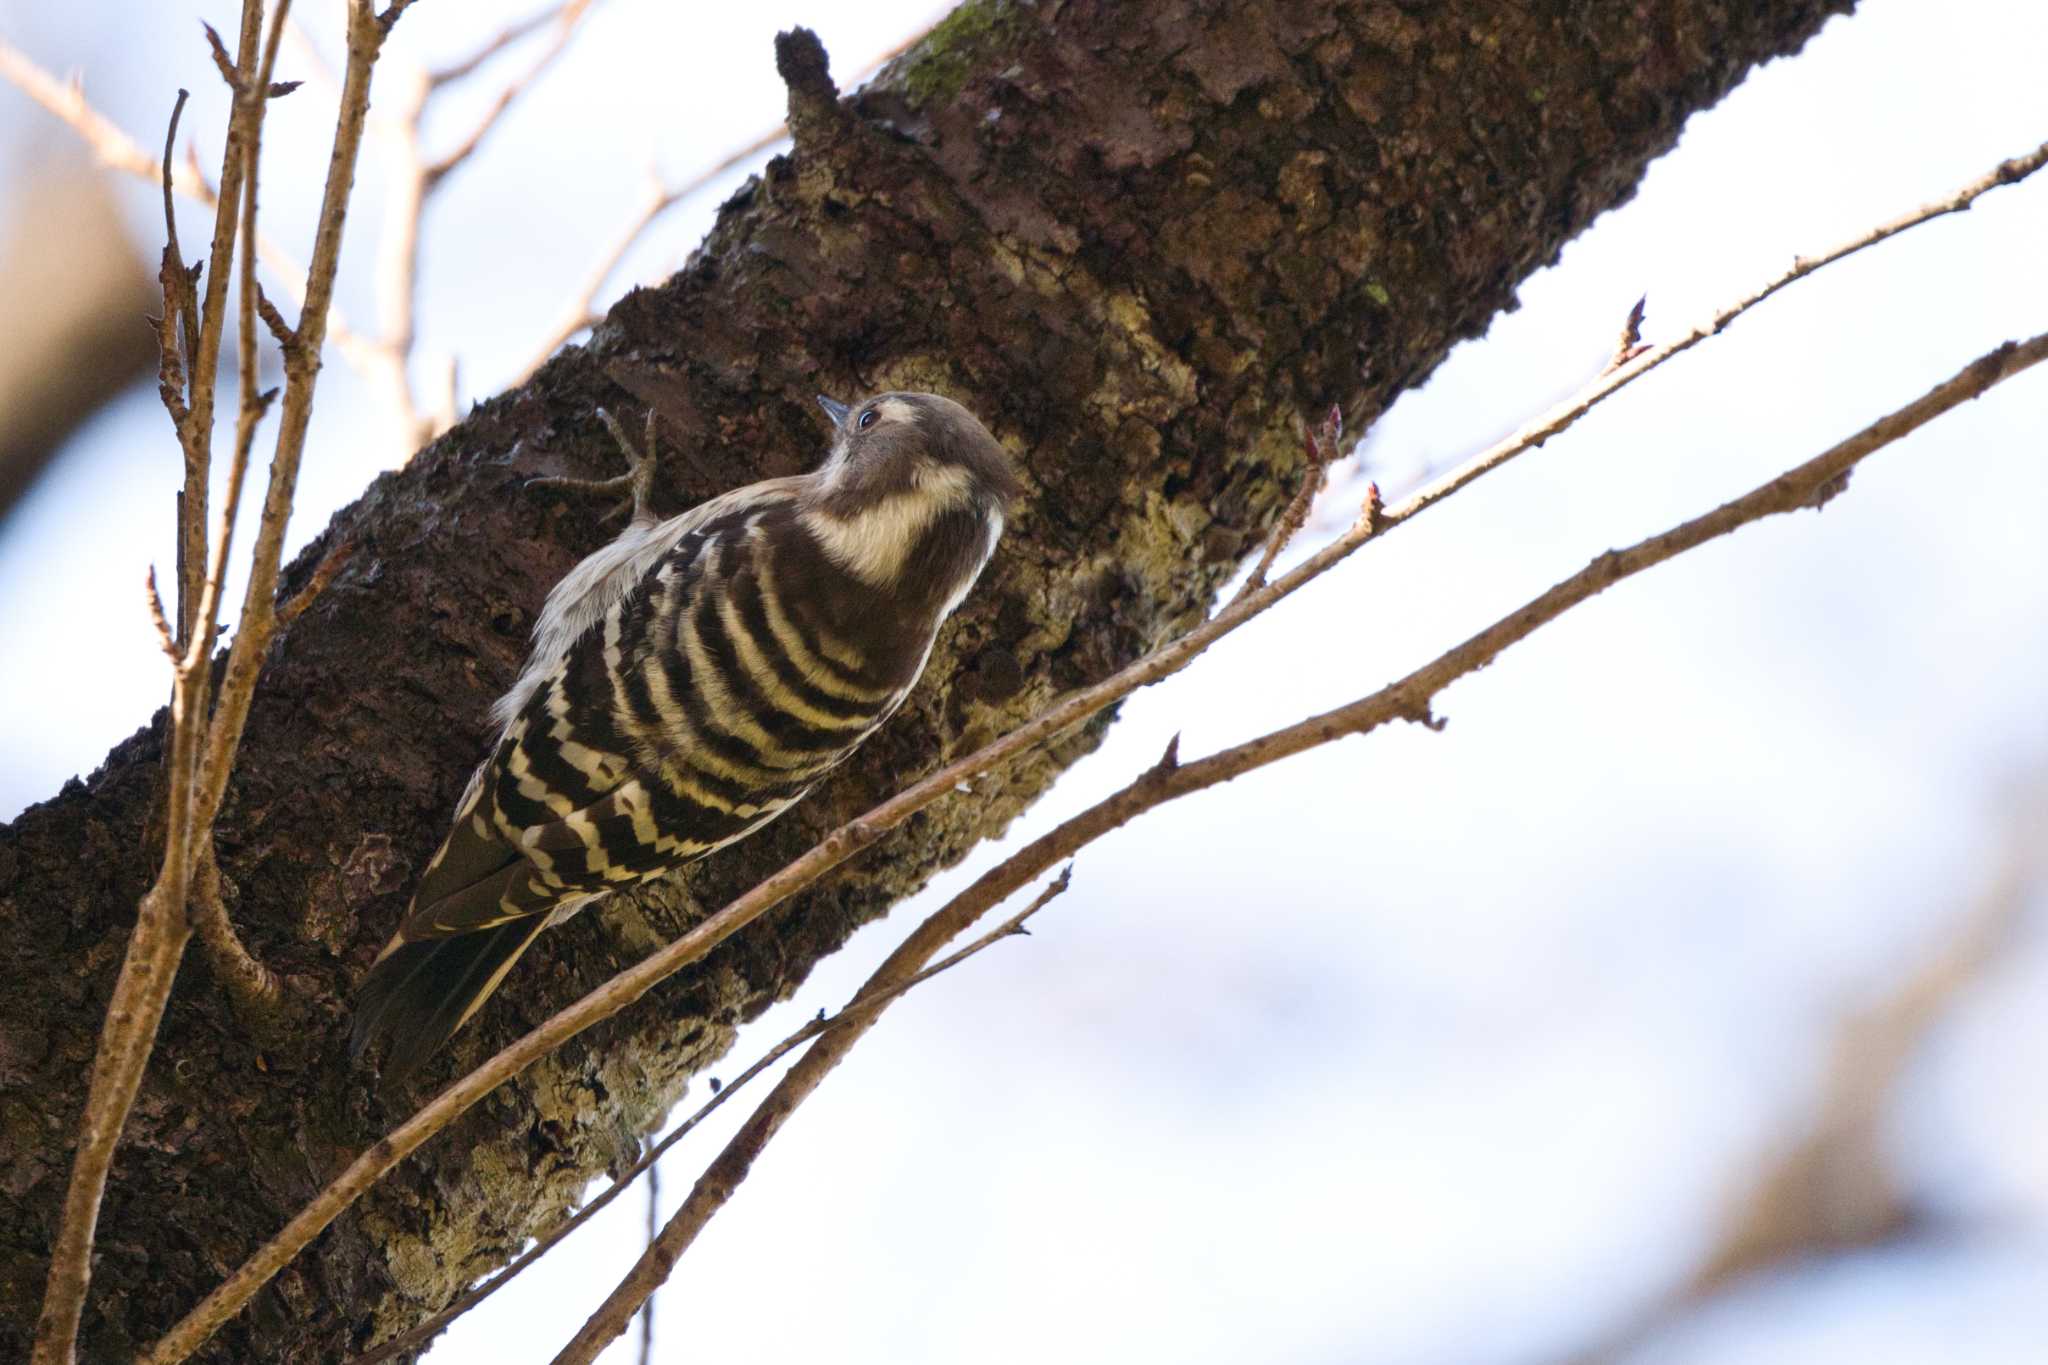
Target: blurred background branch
pixel 386 358
pixel 1831 1186
pixel 79 292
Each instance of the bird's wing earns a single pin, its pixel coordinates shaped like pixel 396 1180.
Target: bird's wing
pixel 602 579
pixel 481 904
pixel 471 855
pixel 419 993
pixel 508 863
pixel 568 806
pixel 560 769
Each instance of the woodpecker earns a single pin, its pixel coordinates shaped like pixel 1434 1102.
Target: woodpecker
pixel 687 684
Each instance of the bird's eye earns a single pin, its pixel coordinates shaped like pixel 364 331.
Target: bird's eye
pixel 867 419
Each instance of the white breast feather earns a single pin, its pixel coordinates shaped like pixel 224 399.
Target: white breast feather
pixel 872 543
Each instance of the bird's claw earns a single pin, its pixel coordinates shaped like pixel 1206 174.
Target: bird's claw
pixel 637 482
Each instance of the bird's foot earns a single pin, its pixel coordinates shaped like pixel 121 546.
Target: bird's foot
pixel 637 482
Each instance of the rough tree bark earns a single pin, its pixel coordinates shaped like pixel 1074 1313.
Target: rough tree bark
pixel 1139 239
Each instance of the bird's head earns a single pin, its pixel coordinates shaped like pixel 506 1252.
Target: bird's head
pixel 896 443
pixel 908 471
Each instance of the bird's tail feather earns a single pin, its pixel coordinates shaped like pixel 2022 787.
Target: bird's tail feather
pixel 420 993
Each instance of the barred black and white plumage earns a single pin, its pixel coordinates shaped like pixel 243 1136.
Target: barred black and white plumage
pixel 688 683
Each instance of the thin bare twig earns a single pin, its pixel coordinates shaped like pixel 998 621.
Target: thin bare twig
pixel 904 969
pixel 252 984
pixel 126 1040
pixel 177 337
pixel 391 14
pixel 223 63
pixel 164 637
pixel 315 584
pixel 228 1297
pixel 388 361
pixel 382 360
pixel 254 987
pixel 653 1229
pixel 161 927
pixel 258 621
pixel 389 355
pixel 280 331
pixel 2009 172
pixel 1319 452
pixel 566 18
pixel 582 310
pixel 117 150
pixel 66 100
pixel 252 96
pixel 187 325
pixel 200 754
pixel 869 998
pixel 244 121
pixel 432 1327
pixel 505 37
pixel 1809 485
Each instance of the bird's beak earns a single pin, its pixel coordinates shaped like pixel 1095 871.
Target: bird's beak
pixel 834 409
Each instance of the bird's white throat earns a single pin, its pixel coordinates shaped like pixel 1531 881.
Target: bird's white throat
pixel 873 543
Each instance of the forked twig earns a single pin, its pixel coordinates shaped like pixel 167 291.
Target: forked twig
pixel 162 929
pixel 202 743
pixel 1319 453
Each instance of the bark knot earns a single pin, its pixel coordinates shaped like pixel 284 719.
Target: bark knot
pixel 813 100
